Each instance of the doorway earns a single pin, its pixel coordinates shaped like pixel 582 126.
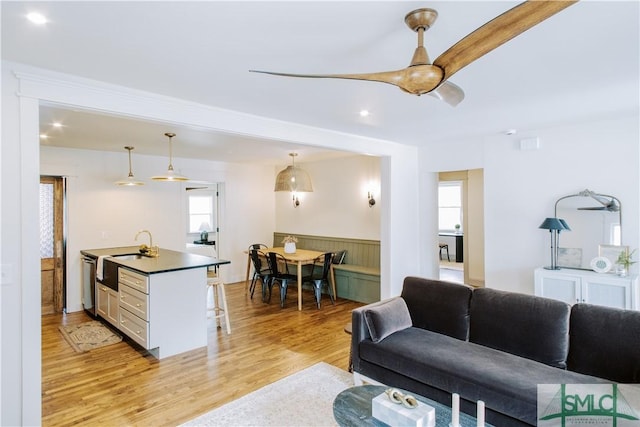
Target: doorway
pixel 461 226
pixel 52 253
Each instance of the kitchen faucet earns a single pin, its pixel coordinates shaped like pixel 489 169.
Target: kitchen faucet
pixel 153 250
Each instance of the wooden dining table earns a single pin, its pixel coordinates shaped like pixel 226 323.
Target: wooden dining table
pixel 300 257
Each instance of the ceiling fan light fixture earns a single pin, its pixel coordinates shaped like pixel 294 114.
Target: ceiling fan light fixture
pixel 170 176
pixel 293 178
pixel 130 180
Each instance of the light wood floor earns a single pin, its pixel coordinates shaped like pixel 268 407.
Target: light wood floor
pixel 120 385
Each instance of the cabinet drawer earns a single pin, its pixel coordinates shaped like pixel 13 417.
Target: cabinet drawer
pixel 135 301
pixel 135 280
pixel 135 328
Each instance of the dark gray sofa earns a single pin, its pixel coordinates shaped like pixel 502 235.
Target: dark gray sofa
pixel 439 338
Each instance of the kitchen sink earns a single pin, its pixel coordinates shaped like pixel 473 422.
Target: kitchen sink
pixel 129 257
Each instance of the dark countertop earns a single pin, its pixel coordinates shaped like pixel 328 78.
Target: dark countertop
pixel 168 260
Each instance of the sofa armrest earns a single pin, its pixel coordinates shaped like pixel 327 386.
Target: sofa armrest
pixel 359 333
pixel 360 329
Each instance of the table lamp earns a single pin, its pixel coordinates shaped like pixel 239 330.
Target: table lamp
pixel 555 226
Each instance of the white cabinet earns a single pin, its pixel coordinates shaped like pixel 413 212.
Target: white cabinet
pixel 113 307
pixel 102 300
pixel 134 300
pixel 574 286
pixel 107 304
pixel 164 312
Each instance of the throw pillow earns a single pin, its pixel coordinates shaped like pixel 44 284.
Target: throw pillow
pixel 387 317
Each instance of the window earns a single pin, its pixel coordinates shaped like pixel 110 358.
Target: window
pixel 202 211
pixel 46 220
pixel 449 205
pixel 616 234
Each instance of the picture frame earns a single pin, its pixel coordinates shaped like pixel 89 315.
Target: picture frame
pixel 570 257
pixel 612 252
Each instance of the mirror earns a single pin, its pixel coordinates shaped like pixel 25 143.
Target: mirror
pixel 595 219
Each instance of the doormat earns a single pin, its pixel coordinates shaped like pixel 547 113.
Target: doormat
pixel 88 336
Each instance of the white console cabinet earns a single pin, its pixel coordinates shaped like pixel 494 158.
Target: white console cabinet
pixel 573 286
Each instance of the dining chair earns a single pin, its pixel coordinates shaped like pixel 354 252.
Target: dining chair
pixel 446 248
pixel 320 276
pixel 261 272
pixel 260 247
pixel 339 256
pixel 280 274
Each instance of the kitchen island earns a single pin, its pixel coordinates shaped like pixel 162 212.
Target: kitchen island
pixel 159 302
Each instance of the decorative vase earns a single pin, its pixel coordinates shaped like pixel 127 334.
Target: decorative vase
pixel 290 248
pixel 621 270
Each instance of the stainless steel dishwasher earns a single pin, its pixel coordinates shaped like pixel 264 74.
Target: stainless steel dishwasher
pixel 89 284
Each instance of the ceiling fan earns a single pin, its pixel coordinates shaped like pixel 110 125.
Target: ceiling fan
pixel 422 77
pixel 609 203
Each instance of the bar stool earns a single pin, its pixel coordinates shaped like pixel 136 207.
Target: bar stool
pixel 219 298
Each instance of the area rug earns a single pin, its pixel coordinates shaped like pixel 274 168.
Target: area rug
pixel 301 399
pixel 88 336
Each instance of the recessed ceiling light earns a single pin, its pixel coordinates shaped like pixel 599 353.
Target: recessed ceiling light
pixel 37 18
pixel 56 124
pixel 43 136
pixel 364 113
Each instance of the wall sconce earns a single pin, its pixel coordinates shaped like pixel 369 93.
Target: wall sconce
pixel 372 201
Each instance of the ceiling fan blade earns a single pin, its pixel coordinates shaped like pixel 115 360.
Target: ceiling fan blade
pixel 497 32
pixel 391 77
pixel 416 79
pixel 448 92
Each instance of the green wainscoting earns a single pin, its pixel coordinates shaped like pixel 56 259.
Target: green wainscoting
pixel 358 278
pixel 359 251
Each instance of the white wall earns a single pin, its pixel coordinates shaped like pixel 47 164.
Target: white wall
pixel 521 187
pixel 338 205
pixel 102 215
pixel 24 87
pixel 475 227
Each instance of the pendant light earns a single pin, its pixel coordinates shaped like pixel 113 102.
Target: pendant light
pixel 129 180
pixel 294 180
pixel 170 175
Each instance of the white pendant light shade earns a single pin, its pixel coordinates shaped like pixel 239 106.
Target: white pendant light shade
pixel 170 176
pixel 130 180
pixel 293 179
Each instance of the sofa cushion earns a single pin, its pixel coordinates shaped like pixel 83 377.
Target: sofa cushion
pixel 386 318
pixel 525 325
pixel 438 306
pixel 605 342
pixel 505 382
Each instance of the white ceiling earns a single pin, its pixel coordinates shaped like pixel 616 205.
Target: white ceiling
pixel 579 64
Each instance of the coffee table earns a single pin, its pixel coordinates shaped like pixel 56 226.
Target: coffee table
pixel 352 408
